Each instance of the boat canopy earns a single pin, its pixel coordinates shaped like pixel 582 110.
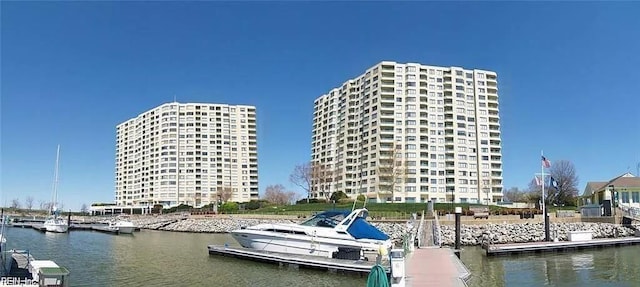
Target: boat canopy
pixel 327 218
pixel 361 229
pixel 356 225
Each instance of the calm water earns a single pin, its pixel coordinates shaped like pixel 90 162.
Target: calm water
pixel 619 267
pixel 154 258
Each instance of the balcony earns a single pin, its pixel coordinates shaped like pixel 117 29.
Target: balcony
pixel 386 90
pixel 385 74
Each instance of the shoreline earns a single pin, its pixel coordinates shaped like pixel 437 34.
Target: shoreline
pixel 471 234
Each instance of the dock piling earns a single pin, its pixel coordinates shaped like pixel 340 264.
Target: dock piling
pixel 458 230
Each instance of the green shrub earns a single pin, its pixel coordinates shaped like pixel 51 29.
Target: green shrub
pixel 253 205
pixel 229 207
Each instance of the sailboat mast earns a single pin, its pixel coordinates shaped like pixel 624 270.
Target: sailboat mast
pixel 54 201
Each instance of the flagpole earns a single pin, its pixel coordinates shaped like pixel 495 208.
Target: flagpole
pixel 544 206
pixel 542 181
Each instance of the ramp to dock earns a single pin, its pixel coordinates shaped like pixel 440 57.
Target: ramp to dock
pixel 437 267
pixel 295 260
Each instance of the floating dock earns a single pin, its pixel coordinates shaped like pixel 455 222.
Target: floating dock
pixel 295 261
pixel 437 267
pixel 73 227
pixel 539 247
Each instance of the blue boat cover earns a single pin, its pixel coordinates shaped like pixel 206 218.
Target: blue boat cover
pixel 361 229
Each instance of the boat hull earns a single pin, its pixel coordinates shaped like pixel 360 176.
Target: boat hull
pixel 126 229
pixel 124 226
pixel 300 244
pixel 58 228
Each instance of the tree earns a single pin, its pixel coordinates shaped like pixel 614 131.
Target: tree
pixel 322 178
pixel 84 208
pixel 336 196
pixel 391 170
pixel 28 202
pixel 15 203
pixel 224 193
pixel 302 177
pixel 278 194
pixel 514 194
pixel 312 175
pixel 534 192
pixel 564 173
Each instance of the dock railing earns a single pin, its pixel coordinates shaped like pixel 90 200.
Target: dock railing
pixel 630 211
pixel 421 232
pixel 437 237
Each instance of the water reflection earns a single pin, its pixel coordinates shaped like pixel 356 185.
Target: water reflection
pixel 598 267
pixel 582 261
pixel 154 258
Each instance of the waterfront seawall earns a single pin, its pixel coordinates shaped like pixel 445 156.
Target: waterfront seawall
pixel 471 234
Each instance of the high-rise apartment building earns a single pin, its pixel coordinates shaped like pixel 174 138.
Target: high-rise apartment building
pixel 410 133
pixel 187 153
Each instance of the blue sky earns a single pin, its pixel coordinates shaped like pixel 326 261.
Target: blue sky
pixel 569 77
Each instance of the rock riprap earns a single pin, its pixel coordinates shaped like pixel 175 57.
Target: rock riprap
pixel 396 231
pixel 527 232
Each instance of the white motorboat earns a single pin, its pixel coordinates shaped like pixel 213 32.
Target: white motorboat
pixel 123 226
pixel 326 234
pixel 56 223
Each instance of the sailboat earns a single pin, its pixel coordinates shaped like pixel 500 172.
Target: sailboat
pixel 56 223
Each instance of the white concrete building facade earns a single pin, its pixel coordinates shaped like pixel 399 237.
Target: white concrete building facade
pixel 411 133
pixel 187 153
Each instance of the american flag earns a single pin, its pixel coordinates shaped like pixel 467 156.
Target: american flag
pixel 545 162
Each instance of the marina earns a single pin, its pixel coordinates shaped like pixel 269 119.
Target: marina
pixel 20 268
pixel 105 228
pixel 124 262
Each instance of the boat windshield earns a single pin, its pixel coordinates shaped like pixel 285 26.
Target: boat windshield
pixel 326 219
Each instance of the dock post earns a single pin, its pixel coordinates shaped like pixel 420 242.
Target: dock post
pixel 397 265
pixel 457 246
pixel 547 236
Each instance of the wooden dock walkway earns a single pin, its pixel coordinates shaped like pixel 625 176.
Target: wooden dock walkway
pixel 538 247
pixel 435 267
pixel 296 261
